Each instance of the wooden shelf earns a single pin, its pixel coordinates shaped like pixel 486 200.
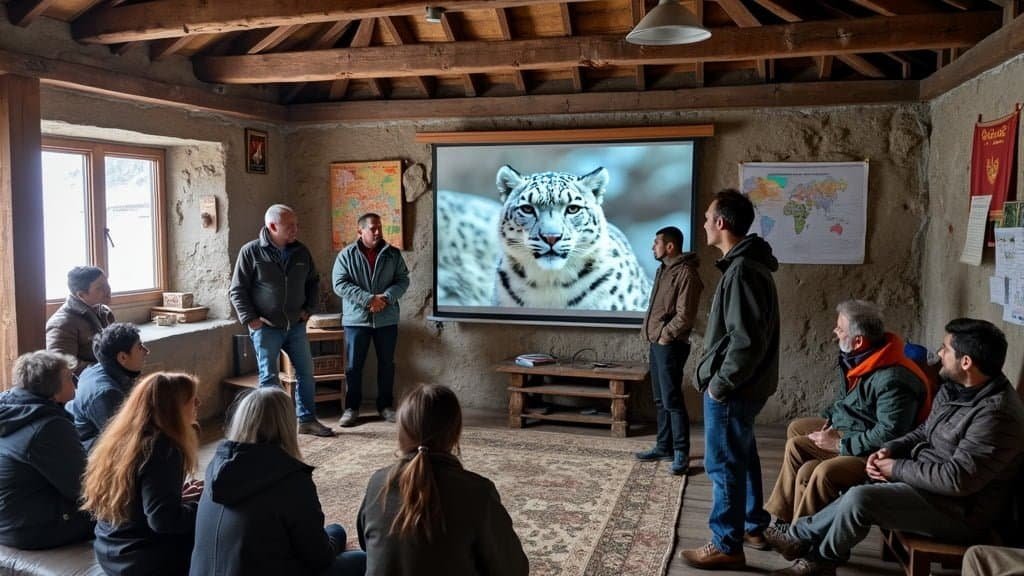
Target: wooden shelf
pixel 568 390
pixel 316 377
pixel 569 417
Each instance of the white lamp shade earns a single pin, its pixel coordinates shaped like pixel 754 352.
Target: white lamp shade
pixel 668 23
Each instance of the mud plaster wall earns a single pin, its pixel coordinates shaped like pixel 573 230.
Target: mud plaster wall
pixel 461 354
pixel 952 289
pixel 205 156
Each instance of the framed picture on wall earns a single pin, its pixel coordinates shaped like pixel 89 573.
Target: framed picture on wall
pixel 255 151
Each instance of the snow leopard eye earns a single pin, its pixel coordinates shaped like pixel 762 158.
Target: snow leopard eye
pixel 573 209
pixel 527 209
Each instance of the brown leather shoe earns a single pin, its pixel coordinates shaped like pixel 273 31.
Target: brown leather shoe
pixel 785 543
pixel 808 567
pixel 756 541
pixel 709 557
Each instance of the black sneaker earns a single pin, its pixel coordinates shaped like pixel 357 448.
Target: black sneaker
pixel 315 428
pixel 652 455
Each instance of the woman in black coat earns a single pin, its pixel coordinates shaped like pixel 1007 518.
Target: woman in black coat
pixel 426 514
pixel 135 480
pixel 260 513
pixel 41 459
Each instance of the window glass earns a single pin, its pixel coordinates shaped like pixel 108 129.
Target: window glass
pixel 131 230
pixel 66 242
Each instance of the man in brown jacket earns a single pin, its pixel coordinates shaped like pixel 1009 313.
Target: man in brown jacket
pixel 84 314
pixel 667 325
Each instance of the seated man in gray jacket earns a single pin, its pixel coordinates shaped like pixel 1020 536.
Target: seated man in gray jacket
pixel 104 386
pixel 948 479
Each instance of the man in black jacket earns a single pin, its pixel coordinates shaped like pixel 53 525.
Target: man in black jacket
pixel 737 374
pixel 41 459
pixel 274 290
pixel 949 479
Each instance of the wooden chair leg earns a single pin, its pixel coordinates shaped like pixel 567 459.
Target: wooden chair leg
pixel 920 564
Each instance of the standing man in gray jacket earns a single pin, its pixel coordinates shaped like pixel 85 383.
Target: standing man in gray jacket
pixel 274 290
pixel 370 276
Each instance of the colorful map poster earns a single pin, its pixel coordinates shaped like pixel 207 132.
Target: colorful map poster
pixel 361 187
pixel 811 213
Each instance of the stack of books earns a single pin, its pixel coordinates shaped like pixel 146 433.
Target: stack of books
pixel 535 359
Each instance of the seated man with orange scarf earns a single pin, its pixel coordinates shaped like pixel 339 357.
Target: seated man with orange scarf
pixel 882 395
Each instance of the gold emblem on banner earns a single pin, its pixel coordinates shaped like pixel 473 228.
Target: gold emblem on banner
pixel 991 169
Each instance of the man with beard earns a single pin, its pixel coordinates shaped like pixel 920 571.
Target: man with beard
pixel 949 479
pixel 880 395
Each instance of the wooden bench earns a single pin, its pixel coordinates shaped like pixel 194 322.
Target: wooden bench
pixel 529 380
pixel 916 553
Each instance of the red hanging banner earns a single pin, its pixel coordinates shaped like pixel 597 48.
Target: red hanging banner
pixel 993 170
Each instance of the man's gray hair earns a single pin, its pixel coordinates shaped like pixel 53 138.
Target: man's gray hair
pixel 274 213
pixel 40 372
pixel 865 319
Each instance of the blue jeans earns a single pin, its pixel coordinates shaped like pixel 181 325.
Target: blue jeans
pixel 268 343
pixel 732 463
pixel 838 527
pixel 346 563
pixel 357 346
pixel 667 382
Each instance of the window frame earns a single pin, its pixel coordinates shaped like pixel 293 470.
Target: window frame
pixel 95 152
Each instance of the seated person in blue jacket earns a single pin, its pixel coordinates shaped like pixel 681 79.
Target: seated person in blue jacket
pixel 135 480
pixel 103 386
pixel 260 513
pixel 949 479
pixel 41 459
pixel 426 513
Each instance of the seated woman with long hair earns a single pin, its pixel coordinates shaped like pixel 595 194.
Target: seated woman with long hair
pixel 426 514
pixel 260 513
pixel 135 480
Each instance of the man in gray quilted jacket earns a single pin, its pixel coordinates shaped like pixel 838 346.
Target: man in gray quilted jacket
pixel 370 275
pixel 949 479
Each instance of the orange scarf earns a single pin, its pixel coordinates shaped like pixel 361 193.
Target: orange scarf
pixel 891 354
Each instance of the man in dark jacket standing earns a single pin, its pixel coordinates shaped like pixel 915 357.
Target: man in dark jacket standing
pixel 737 373
pixel 274 290
pixel 949 479
pixel 83 315
pixel 41 459
pixel 667 326
pixel 880 394
pixel 370 275
pixel 103 387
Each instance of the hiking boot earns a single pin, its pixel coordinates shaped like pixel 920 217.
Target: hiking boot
pixel 652 455
pixel 388 414
pixel 315 428
pixel 680 464
pixel 785 543
pixel 709 557
pixel 349 418
pixel 756 541
pixel 808 567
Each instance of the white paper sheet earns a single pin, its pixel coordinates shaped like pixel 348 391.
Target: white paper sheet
pixel 974 244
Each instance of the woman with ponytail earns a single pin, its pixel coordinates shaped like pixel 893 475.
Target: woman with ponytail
pixel 426 514
pixel 135 480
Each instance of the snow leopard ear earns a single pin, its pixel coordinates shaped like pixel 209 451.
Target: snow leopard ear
pixel 595 182
pixel 508 180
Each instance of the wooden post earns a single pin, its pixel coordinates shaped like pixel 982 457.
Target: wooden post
pixel 515 400
pixel 620 426
pixel 22 303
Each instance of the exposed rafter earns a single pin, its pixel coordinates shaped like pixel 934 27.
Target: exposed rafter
pixel 518 78
pixel 843 37
pixel 453 33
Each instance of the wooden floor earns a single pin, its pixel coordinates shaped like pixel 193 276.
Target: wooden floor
pixel 692 531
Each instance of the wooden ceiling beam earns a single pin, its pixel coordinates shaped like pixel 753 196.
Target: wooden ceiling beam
pixel 163 48
pixel 783 10
pixel 402 35
pixel 744 18
pixel 803 94
pixel 575 76
pixel 453 33
pixel 861 65
pixel 23 12
pixel 105 82
pixel 518 77
pixel 322 40
pixel 844 38
pixel 824 67
pixel 896 7
pixel 639 9
pixel 997 48
pixel 363 36
pixel 171 18
pixel 266 39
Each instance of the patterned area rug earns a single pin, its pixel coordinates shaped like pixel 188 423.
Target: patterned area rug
pixel 582 505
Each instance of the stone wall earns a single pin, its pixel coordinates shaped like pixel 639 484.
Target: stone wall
pixel 952 289
pixel 893 138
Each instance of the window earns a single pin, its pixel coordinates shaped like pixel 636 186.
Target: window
pixel 103 206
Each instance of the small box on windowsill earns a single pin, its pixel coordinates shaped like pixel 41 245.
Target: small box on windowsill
pixel 183 315
pixel 179 300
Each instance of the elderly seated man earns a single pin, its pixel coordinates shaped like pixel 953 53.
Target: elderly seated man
pixel 880 393
pixel 948 479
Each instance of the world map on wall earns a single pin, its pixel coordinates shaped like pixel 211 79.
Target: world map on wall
pixel 810 213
